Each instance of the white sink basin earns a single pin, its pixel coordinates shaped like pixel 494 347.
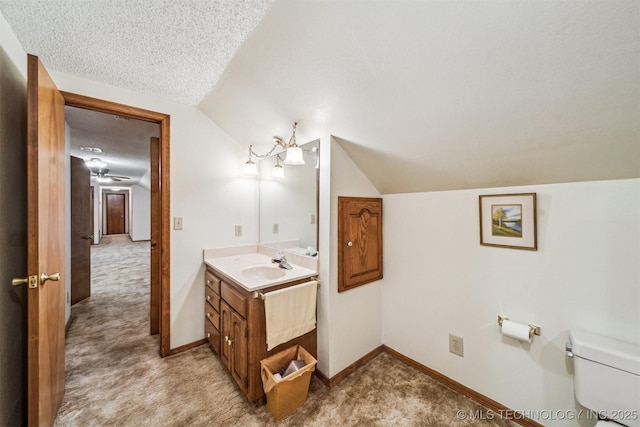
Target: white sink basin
pixel 263 272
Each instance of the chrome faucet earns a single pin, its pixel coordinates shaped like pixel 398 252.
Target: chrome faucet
pixel 281 259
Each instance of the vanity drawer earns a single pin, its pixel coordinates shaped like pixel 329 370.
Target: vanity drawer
pixel 212 298
pixel 234 298
pixel 212 282
pixel 212 315
pixel 213 336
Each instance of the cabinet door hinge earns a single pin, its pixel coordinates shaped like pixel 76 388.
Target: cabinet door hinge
pixel 246 333
pixel 246 383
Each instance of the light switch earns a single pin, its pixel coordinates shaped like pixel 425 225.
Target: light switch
pixel 312 219
pixel 276 228
pixel 178 222
pixel 238 230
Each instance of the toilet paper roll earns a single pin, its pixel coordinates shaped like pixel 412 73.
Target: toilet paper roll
pixel 516 330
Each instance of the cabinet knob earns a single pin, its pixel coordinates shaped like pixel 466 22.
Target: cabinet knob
pixel 208 334
pixel 209 315
pixel 208 297
pixel 349 243
pixel 208 282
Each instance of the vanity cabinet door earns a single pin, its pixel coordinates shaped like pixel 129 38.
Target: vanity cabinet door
pixel 239 362
pixel 225 332
pixel 233 351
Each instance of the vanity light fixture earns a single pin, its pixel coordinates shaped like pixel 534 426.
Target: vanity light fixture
pixel 278 170
pixel 294 153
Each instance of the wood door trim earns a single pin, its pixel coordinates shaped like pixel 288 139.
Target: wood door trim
pixel 95 104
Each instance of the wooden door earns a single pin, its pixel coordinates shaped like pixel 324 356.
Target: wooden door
pixel 156 236
pixel 239 350
pixel 115 210
pixel 359 241
pixel 46 244
pixel 80 230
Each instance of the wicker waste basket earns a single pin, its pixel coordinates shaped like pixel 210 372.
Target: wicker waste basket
pixel 289 393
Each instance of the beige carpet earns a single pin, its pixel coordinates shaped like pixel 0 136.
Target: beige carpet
pixel 116 378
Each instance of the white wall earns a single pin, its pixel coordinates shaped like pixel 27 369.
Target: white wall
pixel 440 280
pixel 67 222
pixel 349 323
pixel 205 190
pixel 140 213
pixel 97 214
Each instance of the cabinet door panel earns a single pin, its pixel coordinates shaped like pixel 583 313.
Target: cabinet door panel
pixel 225 331
pixel 359 241
pixel 239 364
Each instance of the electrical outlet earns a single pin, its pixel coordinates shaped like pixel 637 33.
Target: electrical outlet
pixel 276 228
pixel 456 345
pixel 178 222
pixel 312 219
pixel 238 230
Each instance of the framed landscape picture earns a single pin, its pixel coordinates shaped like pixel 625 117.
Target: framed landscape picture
pixel 509 221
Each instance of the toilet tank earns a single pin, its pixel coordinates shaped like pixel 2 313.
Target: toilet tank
pixel 607 376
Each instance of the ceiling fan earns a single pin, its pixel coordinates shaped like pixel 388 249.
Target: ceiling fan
pixel 102 175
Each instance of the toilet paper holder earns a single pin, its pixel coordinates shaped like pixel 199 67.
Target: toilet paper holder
pixel 533 329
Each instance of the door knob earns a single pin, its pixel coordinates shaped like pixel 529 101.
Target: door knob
pixel 87 237
pixel 31 280
pixel 44 277
pixel 154 244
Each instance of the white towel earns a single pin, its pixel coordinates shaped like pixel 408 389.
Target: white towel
pixel 290 312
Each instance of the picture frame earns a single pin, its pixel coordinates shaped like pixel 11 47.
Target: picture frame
pixel 509 221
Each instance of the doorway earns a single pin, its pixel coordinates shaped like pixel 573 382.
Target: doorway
pixel 160 253
pixel 115 212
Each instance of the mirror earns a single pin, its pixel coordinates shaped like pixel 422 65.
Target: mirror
pixel 288 206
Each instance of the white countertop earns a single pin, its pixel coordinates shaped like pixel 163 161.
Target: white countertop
pixel 233 265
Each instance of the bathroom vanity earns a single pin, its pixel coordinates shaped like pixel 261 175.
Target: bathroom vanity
pixel 234 310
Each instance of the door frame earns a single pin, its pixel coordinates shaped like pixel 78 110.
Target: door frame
pixel 105 209
pixel 164 287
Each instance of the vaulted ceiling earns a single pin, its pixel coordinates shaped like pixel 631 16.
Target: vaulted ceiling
pixel 424 95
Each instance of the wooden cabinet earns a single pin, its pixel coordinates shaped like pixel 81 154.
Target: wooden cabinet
pixel 212 311
pixel 234 344
pixel 242 342
pixel 359 241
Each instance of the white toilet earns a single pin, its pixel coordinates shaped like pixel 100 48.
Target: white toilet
pixel 606 377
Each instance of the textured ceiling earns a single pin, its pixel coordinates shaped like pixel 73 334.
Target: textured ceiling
pixel 442 95
pixel 424 95
pixel 173 48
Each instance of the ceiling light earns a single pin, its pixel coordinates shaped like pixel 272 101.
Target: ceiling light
pixel 95 163
pixel 294 153
pixel 91 149
pixel 103 179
